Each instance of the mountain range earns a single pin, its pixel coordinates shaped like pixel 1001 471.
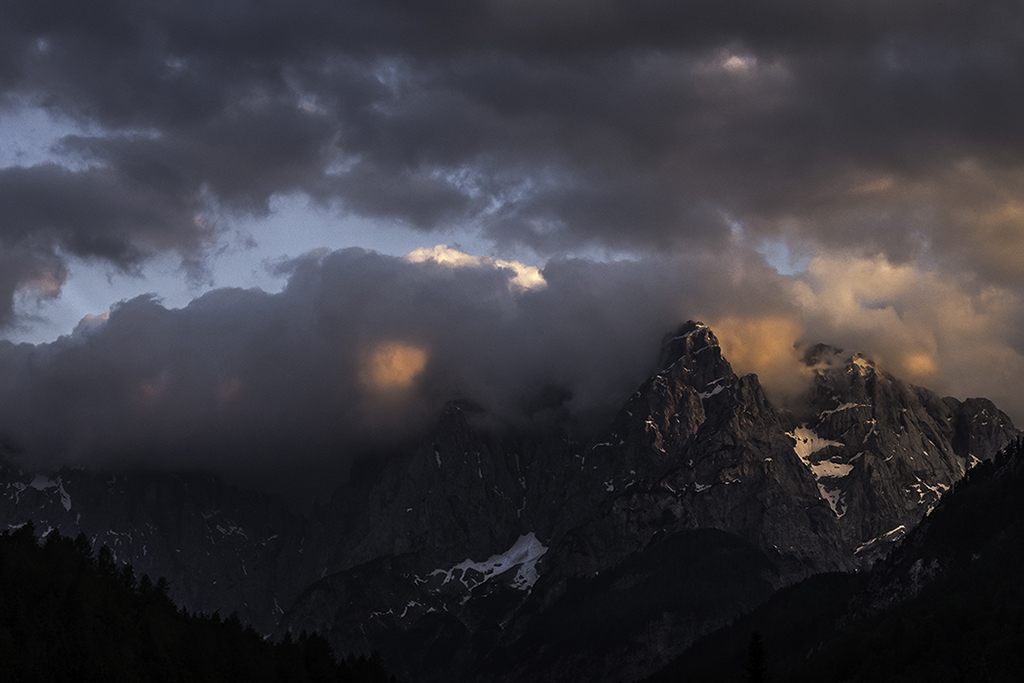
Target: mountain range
pixel 504 555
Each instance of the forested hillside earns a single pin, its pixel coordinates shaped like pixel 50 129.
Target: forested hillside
pixel 66 615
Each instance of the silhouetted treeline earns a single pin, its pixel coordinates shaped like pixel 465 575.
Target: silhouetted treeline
pixel 66 615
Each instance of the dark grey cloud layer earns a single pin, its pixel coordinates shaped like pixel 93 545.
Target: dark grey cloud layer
pixel 254 384
pixel 879 139
pixel 552 124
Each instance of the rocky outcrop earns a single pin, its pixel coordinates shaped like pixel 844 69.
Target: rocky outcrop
pixel 697 447
pixel 884 451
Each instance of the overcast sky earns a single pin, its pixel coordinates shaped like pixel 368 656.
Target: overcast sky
pixel 219 220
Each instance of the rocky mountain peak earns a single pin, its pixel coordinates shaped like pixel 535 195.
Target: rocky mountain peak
pixel 693 347
pixel 883 451
pixel 685 340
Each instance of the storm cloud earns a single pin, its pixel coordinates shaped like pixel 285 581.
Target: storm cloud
pixel 876 143
pixel 357 353
pixel 552 125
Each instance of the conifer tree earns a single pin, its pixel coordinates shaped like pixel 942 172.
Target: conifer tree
pixel 756 668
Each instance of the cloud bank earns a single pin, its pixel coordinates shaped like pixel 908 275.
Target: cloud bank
pixel 360 351
pixel 878 142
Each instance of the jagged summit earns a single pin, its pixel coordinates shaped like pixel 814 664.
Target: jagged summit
pixel 821 355
pixel 687 339
pixel 693 356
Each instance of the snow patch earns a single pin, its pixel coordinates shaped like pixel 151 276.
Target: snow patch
pixel 826 472
pixel 717 390
pixel 863 363
pixel 808 442
pixel 65 499
pixel 845 406
pixel 698 327
pixel 830 469
pixel 834 498
pixel 42 482
pixel 522 557
pixel 887 536
pixel 232 530
pixel 922 488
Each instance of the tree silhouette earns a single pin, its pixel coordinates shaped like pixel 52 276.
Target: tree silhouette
pixel 67 616
pixel 756 668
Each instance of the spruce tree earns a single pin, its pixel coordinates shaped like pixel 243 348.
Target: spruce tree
pixel 756 668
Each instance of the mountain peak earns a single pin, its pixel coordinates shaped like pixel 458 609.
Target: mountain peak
pixel 821 354
pixel 690 338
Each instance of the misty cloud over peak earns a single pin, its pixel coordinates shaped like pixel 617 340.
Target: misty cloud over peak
pixel 358 351
pixel 361 351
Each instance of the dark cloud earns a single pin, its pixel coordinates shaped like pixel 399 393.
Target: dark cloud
pixel 360 351
pixel 550 124
pixel 357 353
pixel 94 213
pixel 25 268
pixel 882 138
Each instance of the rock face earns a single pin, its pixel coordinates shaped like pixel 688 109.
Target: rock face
pixel 696 503
pixel 884 451
pixel 485 557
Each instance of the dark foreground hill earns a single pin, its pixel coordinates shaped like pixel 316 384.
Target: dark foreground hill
pixel 67 616
pixel 947 605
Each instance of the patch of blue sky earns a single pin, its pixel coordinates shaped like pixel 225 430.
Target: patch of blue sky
pixel 781 257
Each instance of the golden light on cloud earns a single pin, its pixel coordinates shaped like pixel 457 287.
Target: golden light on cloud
pixel 765 346
pixel 999 234
pixel 393 365
pixel 918 366
pixel 755 344
pixel 524 277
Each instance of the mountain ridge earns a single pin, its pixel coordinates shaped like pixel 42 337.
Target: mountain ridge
pixel 426 562
pixel 697 447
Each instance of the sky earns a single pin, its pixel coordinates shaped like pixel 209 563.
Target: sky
pixel 268 236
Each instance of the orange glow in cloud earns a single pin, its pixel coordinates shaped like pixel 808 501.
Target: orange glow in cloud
pixel 393 365
pixel 764 346
pixel 918 366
